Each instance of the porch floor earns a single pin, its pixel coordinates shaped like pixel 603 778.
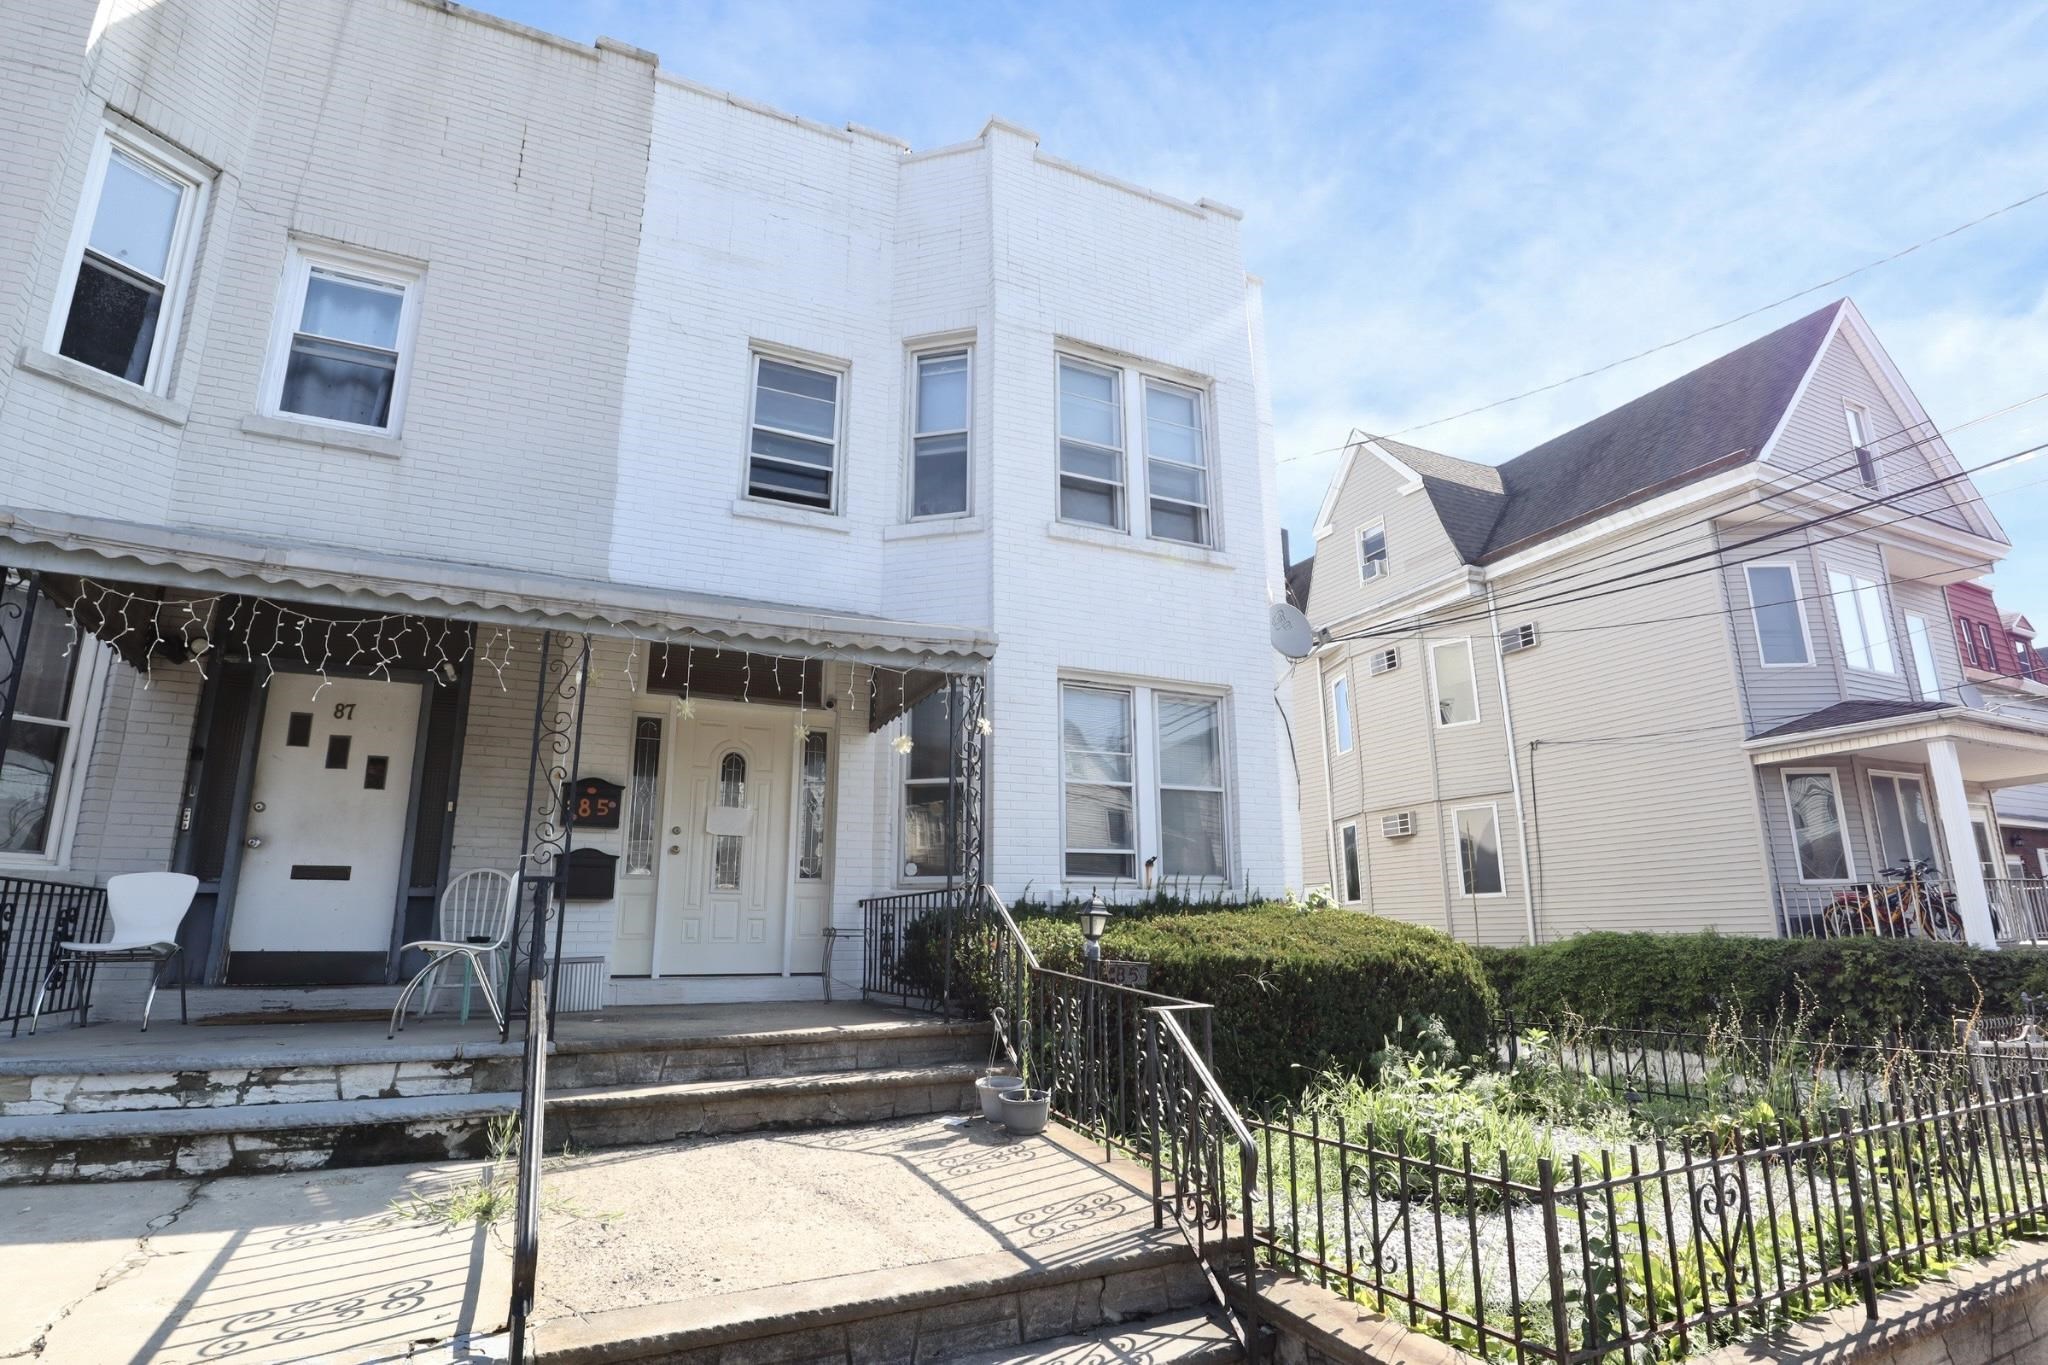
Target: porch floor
pixel 118 1046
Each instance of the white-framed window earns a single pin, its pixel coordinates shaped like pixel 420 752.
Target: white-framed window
pixel 341 347
pixel 793 433
pixel 927 777
pixel 1193 819
pixel 1176 463
pixel 1860 616
pixel 1778 615
pixel 1099 767
pixel 1920 649
pixel 1372 552
pixel 1144 782
pixel 1857 422
pixel 1479 865
pixel 122 291
pixel 1820 837
pixel 1348 886
pixel 51 739
pixel 1453 683
pixel 1091 443
pixel 940 420
pixel 1340 712
pixel 1905 822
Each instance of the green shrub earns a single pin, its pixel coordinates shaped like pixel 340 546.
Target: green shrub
pixel 1860 987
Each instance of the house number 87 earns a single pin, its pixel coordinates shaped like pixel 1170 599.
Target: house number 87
pixel 344 710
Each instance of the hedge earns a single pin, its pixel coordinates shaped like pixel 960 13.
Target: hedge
pixel 1861 987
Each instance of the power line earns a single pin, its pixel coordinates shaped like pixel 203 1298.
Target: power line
pixel 1698 332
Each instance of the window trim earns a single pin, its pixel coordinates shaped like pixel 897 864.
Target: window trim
pixel 88 686
pixel 1222 791
pixel 1436 700
pixel 1343 730
pixel 1500 849
pixel 1142 696
pixel 842 372
pixel 1853 599
pixel 1877 826
pixel 1349 861
pixel 1386 561
pixel 1135 784
pixel 1122 485
pixel 302 257
pixel 1207 508
pixel 1785 776
pixel 1798 601
pixel 915 356
pixel 179 260
pixel 1918 644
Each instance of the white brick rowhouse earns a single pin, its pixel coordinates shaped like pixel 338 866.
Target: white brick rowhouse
pixel 393 311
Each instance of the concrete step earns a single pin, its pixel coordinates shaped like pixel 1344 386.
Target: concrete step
pixel 182 1073
pixel 1189 1337
pixel 141 1144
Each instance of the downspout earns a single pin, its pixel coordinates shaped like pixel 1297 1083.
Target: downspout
pixel 1436 788
pixel 1329 830
pixel 1507 715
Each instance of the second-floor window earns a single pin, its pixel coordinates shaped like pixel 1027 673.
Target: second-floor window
pixel 1920 649
pixel 1091 444
pixel 1340 713
pixel 1860 615
pixel 793 450
pixel 1170 477
pixel 124 279
pixel 1176 463
pixel 1780 619
pixel 1987 651
pixel 1372 552
pixel 938 437
pixel 342 349
pixel 1454 683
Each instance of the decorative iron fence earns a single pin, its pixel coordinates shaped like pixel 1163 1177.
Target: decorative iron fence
pixel 35 916
pixel 2019 909
pixel 899 961
pixel 1661 1247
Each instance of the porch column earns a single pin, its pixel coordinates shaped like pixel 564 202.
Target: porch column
pixel 1952 813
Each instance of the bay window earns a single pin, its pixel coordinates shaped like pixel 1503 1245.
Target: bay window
pixel 1145 769
pixel 124 280
pixel 1860 615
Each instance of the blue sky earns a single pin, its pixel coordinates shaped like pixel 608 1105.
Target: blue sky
pixel 1450 204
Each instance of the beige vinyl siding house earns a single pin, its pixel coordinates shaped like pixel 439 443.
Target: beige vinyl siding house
pixel 1667 610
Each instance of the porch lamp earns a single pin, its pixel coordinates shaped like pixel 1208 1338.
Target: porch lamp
pixel 1094 919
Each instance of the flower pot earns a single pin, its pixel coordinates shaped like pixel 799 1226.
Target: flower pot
pixel 991 1090
pixel 1025 1111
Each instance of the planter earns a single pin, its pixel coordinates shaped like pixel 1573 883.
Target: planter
pixel 991 1090
pixel 1025 1111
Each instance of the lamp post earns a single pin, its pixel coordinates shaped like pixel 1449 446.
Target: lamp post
pixel 1094 920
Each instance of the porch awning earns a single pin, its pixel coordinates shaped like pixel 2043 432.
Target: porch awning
pixel 1997 745
pixel 204 561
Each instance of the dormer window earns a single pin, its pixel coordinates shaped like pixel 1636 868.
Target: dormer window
pixel 1372 552
pixel 1859 441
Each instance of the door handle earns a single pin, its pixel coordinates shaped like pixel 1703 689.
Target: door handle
pixel 252 842
pixel 675 849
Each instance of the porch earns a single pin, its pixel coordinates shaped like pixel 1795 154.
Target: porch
pixel 663 773
pixel 1881 819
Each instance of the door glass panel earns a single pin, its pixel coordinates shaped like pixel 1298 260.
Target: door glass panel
pixel 644 802
pixel 725 848
pixel 810 814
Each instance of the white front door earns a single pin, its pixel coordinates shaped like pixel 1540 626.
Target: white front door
pixel 723 890
pixel 326 823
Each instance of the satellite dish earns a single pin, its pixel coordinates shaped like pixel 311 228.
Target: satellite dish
pixel 1292 635
pixel 1971 696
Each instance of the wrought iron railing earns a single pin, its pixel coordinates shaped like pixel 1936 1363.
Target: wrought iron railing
pixel 35 916
pixel 1649 1250
pixel 2019 909
pixel 1119 1063
pixel 1922 908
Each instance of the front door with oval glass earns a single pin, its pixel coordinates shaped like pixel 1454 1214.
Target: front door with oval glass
pixel 723 886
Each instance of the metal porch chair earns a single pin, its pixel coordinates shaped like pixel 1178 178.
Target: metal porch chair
pixel 476 918
pixel 146 908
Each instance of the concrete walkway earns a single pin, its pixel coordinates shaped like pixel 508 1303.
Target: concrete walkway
pixel 250 1269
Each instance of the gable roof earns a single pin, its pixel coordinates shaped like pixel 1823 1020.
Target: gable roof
pixel 1465 493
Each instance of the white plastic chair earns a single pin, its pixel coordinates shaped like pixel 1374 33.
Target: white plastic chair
pixel 476 919
pixel 146 908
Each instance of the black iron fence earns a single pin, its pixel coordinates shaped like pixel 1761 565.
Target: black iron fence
pixel 1649 1249
pixel 36 916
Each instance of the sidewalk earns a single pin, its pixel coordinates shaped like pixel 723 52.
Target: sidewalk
pixel 247 1269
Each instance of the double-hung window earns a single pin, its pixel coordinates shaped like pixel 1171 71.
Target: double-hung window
pixel 1819 836
pixel 46 746
pixel 929 782
pixel 1176 463
pixel 1779 616
pixel 1372 552
pixel 1920 649
pixel 124 280
pixel 793 450
pixel 938 435
pixel 1143 766
pixel 342 349
pixel 1987 652
pixel 1860 615
pixel 1091 444
pixel 1340 713
pixel 1479 865
pixel 1453 682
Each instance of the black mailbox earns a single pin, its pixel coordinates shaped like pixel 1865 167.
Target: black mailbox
pixel 592 874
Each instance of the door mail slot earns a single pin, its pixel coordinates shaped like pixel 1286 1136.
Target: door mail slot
pixel 593 874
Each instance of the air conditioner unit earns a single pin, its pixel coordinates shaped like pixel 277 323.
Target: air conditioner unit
pixel 1398 826
pixel 1385 661
pixel 1515 639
